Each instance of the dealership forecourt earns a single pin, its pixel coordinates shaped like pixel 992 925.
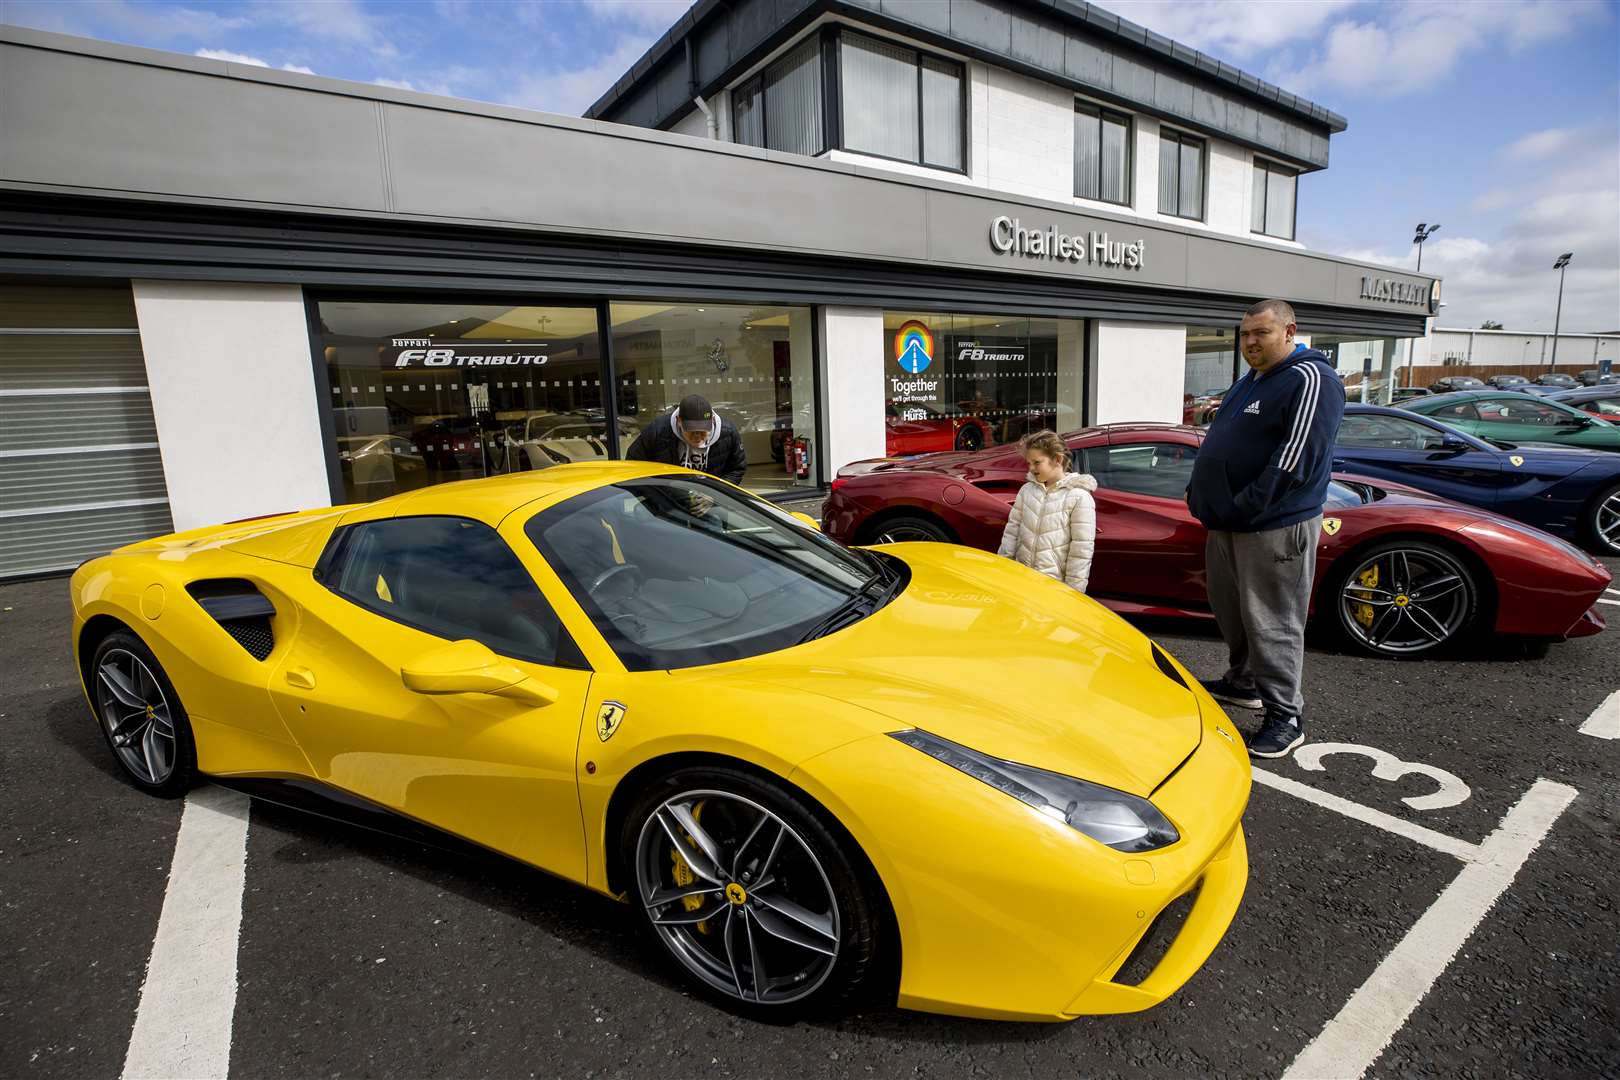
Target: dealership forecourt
pixel 1427 891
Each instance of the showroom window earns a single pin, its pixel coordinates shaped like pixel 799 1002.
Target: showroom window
pixel 756 365
pixel 1272 212
pixel 1181 174
pixel 1211 367
pixel 1102 154
pixel 964 382
pixel 1369 368
pixel 781 108
pixel 426 392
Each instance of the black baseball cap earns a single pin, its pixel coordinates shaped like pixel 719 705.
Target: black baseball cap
pixel 696 415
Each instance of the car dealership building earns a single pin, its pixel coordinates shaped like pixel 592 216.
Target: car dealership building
pixel 857 227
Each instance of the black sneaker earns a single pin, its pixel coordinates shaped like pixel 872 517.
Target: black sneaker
pixel 1278 735
pixel 1221 690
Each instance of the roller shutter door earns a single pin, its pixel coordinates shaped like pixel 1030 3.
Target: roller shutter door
pixel 80 472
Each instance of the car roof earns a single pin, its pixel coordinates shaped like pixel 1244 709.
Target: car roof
pixel 492 498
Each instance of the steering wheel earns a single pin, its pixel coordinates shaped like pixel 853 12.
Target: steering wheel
pixel 628 572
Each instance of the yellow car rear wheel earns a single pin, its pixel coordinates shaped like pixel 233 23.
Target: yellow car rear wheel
pixel 743 885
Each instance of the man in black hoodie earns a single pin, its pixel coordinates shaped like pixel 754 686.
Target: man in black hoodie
pixel 693 435
pixel 1258 485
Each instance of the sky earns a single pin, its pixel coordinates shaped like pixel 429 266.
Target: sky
pixel 1498 119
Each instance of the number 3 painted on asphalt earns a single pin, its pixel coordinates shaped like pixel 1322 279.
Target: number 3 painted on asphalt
pixel 1387 766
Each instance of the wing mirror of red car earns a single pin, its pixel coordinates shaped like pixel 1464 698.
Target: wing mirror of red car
pixel 471 667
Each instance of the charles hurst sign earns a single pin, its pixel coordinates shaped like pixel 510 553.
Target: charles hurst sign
pixel 1008 236
pixel 428 353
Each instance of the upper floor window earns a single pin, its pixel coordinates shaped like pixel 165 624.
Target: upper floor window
pixel 1273 207
pixel 1102 154
pixel 899 103
pixel 1181 174
pixel 781 107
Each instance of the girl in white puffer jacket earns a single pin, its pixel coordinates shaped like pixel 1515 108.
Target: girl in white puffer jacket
pixel 1053 526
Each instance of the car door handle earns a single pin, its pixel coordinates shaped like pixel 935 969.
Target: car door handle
pixel 301 677
pixel 1339 463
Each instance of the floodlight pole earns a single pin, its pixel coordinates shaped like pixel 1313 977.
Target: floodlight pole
pixel 1561 265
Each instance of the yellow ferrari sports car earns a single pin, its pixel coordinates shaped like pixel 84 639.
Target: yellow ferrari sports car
pixel 916 773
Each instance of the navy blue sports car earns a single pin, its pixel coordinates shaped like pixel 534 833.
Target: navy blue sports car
pixel 1570 493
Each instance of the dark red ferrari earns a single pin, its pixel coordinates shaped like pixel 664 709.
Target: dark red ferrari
pixel 1399 572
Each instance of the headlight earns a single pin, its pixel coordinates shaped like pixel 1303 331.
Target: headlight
pixel 1118 819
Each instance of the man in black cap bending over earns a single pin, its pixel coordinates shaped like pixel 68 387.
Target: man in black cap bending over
pixel 693 435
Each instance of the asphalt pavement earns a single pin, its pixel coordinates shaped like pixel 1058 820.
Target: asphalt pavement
pixel 363 955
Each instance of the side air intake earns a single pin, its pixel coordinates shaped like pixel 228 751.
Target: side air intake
pixel 1168 668
pixel 241 610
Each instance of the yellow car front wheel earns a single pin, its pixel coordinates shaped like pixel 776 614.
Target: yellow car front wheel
pixel 742 884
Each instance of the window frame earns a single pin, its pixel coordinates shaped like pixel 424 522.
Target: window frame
pixel 1104 114
pixel 1266 166
pixel 1105 449
pixel 1180 138
pixel 328 569
pixel 759 79
pixel 835 36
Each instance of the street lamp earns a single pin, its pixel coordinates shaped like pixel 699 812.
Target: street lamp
pixel 1563 261
pixel 1423 233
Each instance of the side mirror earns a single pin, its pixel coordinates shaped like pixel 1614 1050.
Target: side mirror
pixel 470 667
pixel 807 519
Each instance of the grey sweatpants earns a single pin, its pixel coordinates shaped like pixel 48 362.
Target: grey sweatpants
pixel 1260 590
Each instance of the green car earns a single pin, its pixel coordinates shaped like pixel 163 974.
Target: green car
pixel 1504 416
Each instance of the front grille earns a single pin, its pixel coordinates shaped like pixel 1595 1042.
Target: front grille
pixel 254 635
pixel 1166 927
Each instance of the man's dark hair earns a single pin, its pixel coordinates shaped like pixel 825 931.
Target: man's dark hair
pixel 1282 309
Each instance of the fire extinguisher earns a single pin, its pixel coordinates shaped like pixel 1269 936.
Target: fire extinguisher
pixel 802 457
pixel 790 456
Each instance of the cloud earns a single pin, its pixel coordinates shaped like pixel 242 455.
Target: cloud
pixel 1507 274
pixel 1541 144
pixel 242 58
pixel 1379 49
pixel 118 19
pixel 341 21
pixel 571 92
pixel 657 15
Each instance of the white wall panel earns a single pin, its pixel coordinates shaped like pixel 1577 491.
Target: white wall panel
pixel 1139 369
pixel 852 365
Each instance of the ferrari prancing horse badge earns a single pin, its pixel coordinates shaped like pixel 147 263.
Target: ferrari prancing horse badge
pixel 1330 525
pixel 608 718
pixel 1517 460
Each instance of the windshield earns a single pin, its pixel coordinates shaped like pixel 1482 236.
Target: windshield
pixel 680 571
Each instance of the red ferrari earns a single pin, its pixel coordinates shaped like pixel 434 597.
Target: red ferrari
pixel 924 427
pixel 1399 572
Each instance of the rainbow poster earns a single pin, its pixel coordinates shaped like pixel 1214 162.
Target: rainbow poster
pixel 914 347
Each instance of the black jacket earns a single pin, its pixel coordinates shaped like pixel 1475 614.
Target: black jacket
pixel 658 442
pixel 1268 455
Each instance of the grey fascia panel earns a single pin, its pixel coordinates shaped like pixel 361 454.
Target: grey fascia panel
pixel 1208 108
pixel 974 22
pixel 1038 44
pixel 1131 80
pixel 1271 132
pixel 1088 64
pixel 752 22
pixel 1129 31
pixel 1172 94
pixel 713 53
pixel 932 15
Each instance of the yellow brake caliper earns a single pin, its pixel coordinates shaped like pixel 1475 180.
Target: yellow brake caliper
pixel 1363 613
pixel 684 877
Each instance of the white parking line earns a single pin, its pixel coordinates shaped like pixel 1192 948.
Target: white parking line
pixel 183 1024
pixel 1460 849
pixel 1606 600
pixel 1604 723
pixel 1352 1041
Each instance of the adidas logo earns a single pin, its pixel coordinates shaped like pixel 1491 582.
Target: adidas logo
pixel 1253 409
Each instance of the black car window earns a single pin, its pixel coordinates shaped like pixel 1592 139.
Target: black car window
pixel 1373 431
pixel 1516 411
pixel 1461 410
pixel 452 578
pixel 1146 468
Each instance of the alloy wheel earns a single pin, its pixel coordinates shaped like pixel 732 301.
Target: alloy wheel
pixel 906 530
pixel 136 715
pixel 1606 522
pixel 738 896
pixel 1404 601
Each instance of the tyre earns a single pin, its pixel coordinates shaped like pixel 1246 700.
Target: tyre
pixel 1602 522
pixel 969 438
pixel 758 902
pixel 899 530
pixel 1405 598
pixel 141 717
